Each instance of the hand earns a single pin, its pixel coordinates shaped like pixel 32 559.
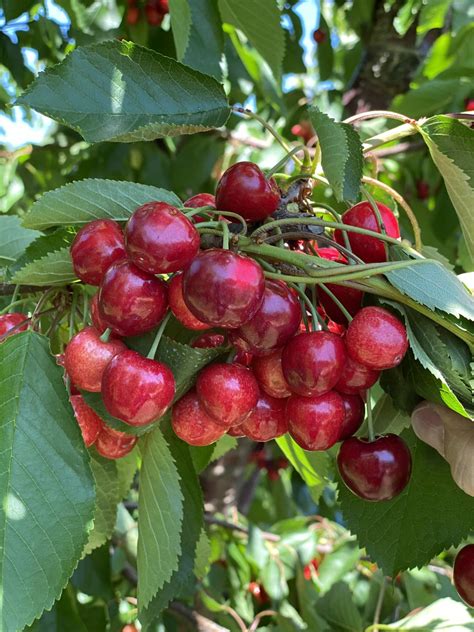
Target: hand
pixel 452 436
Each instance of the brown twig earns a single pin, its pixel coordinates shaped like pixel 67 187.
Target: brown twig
pixel 270 537
pixel 199 621
pixel 256 622
pixel 6 289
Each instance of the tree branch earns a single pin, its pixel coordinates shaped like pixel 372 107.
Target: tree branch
pixel 199 621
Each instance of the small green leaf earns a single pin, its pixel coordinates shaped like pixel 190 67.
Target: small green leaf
pixel 42 246
pixel 85 200
pixel 442 615
pixel 451 146
pixel 341 154
pixel 107 497
pixel 53 269
pixel 311 466
pixel 337 607
pixel 259 21
pixel 396 533
pixel 46 483
pixel 138 94
pixel 160 508
pixel 13 238
pixel 387 418
pixel 334 566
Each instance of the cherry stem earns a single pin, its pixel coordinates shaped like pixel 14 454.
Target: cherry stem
pixel 408 129
pixel 378 218
pixel 370 423
pixel 314 313
pixel 365 116
pixel 225 235
pixel 337 218
pixel 106 335
pixel 334 298
pixel 290 155
pixel 15 295
pixel 85 311
pixel 213 211
pixel 20 301
pixel 159 334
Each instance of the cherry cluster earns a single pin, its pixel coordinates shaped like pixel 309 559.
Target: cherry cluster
pixel 155 11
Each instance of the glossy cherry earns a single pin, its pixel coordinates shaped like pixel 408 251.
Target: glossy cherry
pixel 86 357
pixel 369 249
pixel 463 574
pixel 315 422
pixel 113 444
pixel 312 362
pixel 376 338
pixel 244 189
pixel 236 431
pixel 355 377
pixel 9 322
pixel 267 420
pixel 179 307
pixel 160 238
pixel 351 299
pixel 89 421
pixel 375 470
pixel 228 392
pixel 131 301
pixel 136 389
pixel 208 341
pixel 276 320
pixel 354 411
pixel 95 248
pixel 192 423
pixel 201 199
pixel 96 318
pixel 269 374
pixel 222 288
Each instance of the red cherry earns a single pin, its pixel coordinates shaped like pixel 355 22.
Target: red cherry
pixel 369 249
pixel 11 321
pixel 375 470
pixel 303 129
pixel 242 357
pixel 269 374
pixel 331 254
pixel 236 431
pixel 319 36
pixel 276 320
pixel 463 573
pixel 354 411
pixel 153 16
pixel 423 190
pixel 201 199
pixel 131 301
pixel 96 319
pixel 73 390
pixel 244 189
pixel 376 338
pixel 86 357
pixel 469 105
pixel 160 238
pixel 311 568
pixel 267 421
pixel 136 389
pixel 192 424
pixel 258 592
pixel 348 296
pixel 89 421
pixel 228 392
pixel 315 422
pixel 95 248
pixel 179 307
pixel 356 377
pixel 133 15
pixel 113 444
pixel 208 341
pixel 312 362
pixel 223 288
pixel 163 5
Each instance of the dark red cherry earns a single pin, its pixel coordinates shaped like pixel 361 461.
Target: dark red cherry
pixel 161 239
pixel 369 249
pixel 355 377
pixel 276 320
pixel 95 248
pixel 133 15
pixel 208 341
pixel 269 374
pixel 192 423
pixel 89 421
pixel 267 420
pixel 348 296
pixel 113 444
pixel 376 338
pixel 131 301
pixel 315 422
pixel 222 288
pixel 86 357
pixel 179 307
pixel 244 189
pixel 354 411
pixel 228 392
pixel 375 470
pixel 12 321
pixel 236 431
pixel 201 199
pixel 312 362
pixel 96 319
pixel 154 16
pixel 463 574
pixel 136 389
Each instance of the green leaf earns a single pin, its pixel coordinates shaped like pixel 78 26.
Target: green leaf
pixel 444 614
pixel 311 466
pixel 107 498
pixel 13 238
pixel 397 533
pixel 126 470
pixel 451 146
pixel 203 556
pixel 160 507
pixel 14 8
pixel 338 608
pixel 341 154
pixel 387 418
pixel 54 269
pixel 46 482
pixel 63 616
pixel 138 94
pixel 429 98
pixel 43 246
pixel 259 21
pixel 334 566
pixel 85 200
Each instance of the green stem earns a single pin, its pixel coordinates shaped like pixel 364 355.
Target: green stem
pixel 20 301
pixel 408 129
pixel 86 307
pixel 159 334
pixel 236 216
pixel 15 294
pixel 210 224
pixel 225 235
pixel 106 335
pixel 306 301
pixel 334 298
pixel 281 163
pixel 72 314
pixel 378 217
pixel 370 422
